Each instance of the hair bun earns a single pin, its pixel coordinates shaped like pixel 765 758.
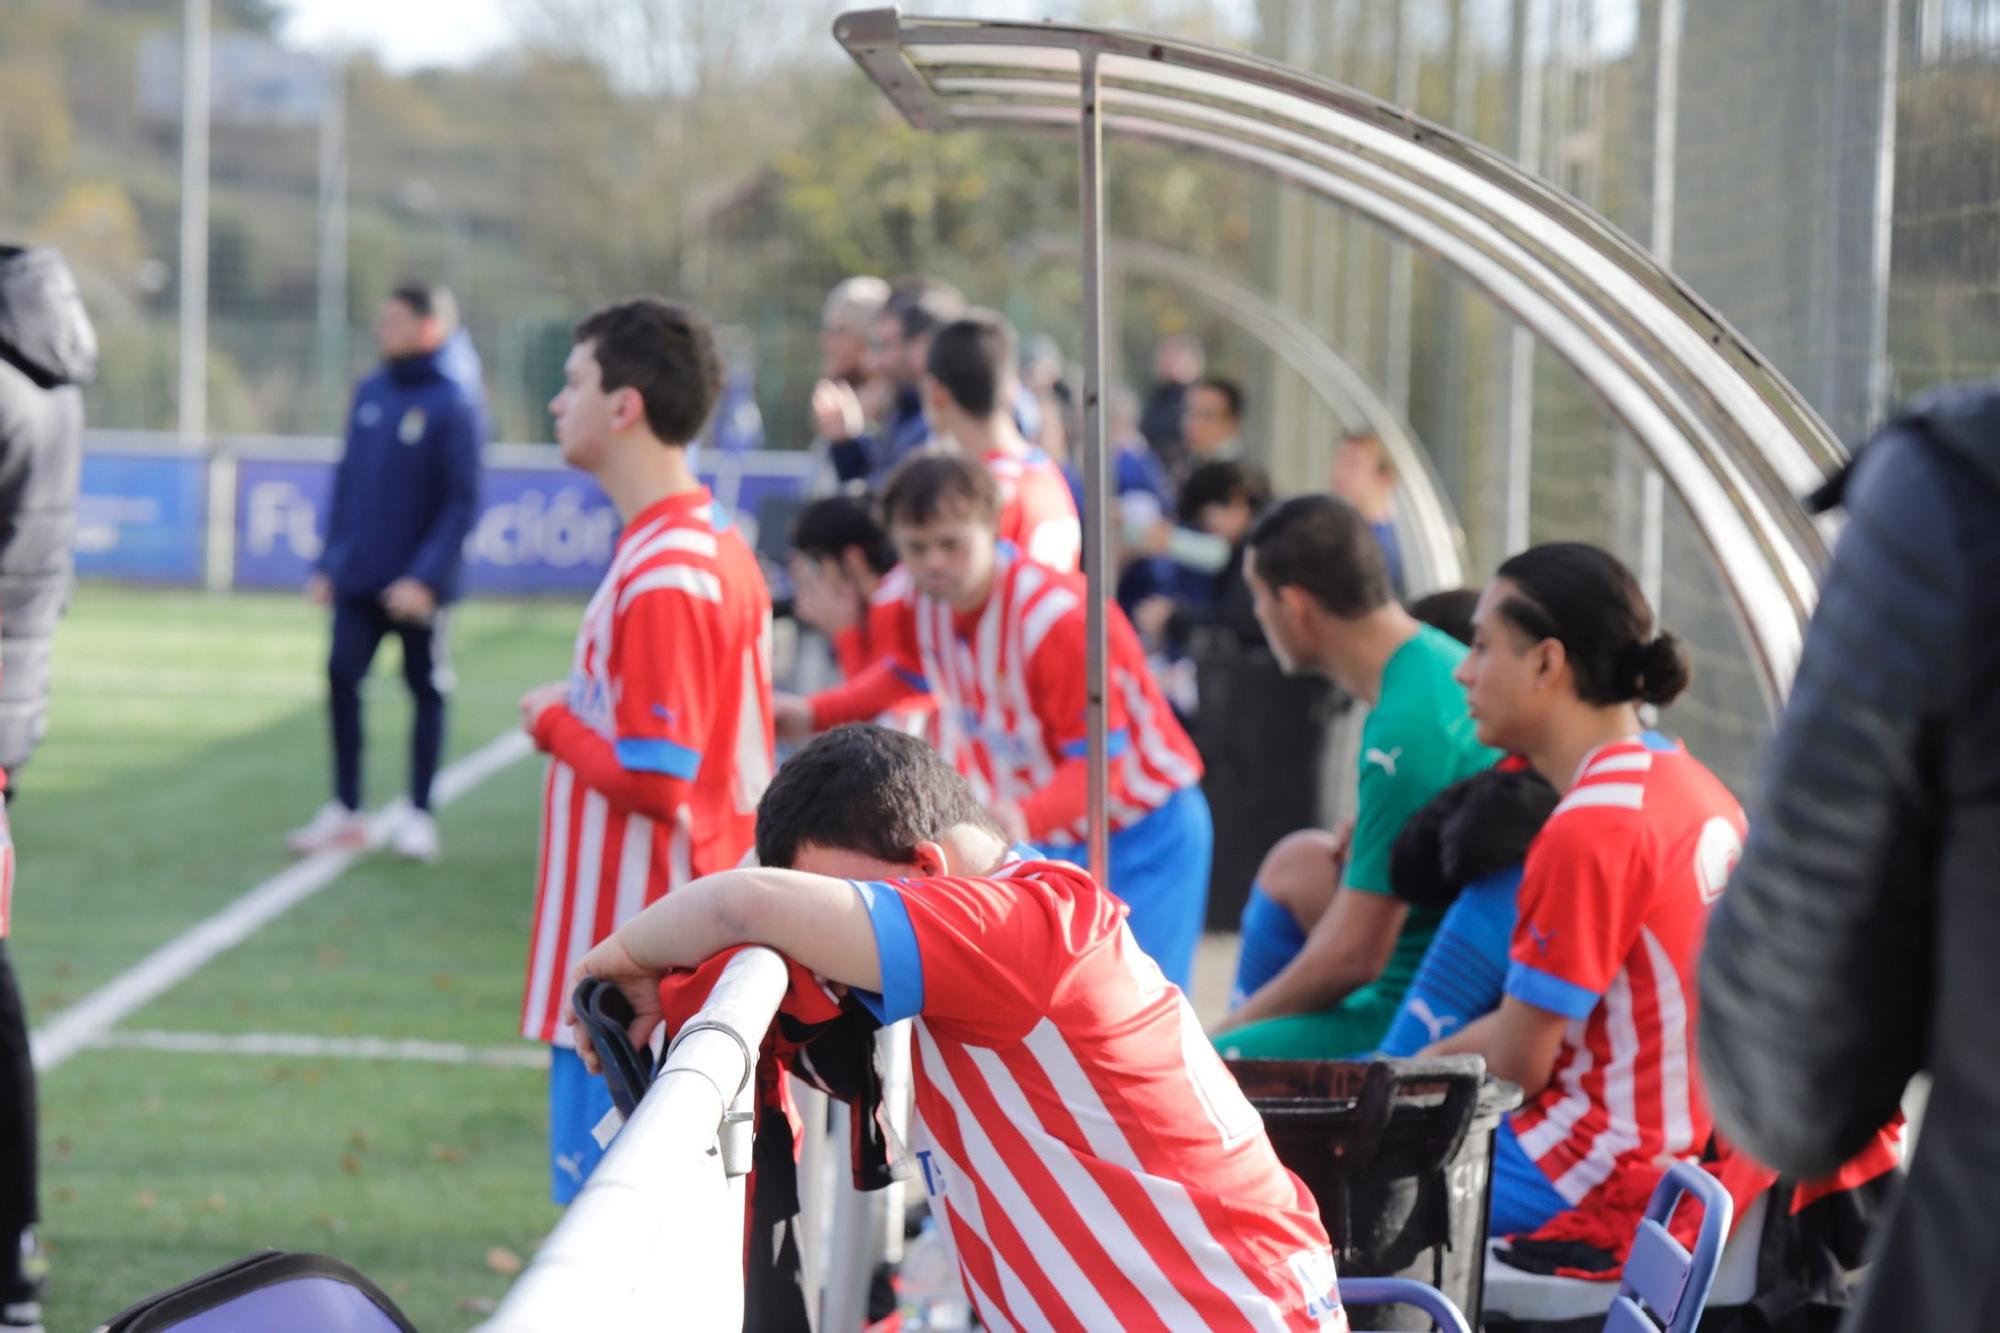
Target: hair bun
pixel 1655 672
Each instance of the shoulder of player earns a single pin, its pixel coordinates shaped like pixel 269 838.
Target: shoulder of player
pixel 896 586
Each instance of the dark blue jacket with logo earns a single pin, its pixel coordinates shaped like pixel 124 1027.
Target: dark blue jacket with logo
pixel 407 489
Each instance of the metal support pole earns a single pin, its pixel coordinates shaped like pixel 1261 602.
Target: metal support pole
pixel 1398 319
pixel 1530 16
pixel 1666 139
pixel 1880 371
pixel 1096 461
pixel 193 397
pixel 333 245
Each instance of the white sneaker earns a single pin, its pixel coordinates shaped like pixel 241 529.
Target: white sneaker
pixel 334 828
pixel 416 838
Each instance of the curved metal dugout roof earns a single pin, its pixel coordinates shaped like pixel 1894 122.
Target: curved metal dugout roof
pixel 1731 437
pixel 1432 538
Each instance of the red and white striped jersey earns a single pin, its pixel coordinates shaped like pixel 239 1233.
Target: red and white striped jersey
pixel 1011 686
pixel 1037 511
pixel 1088 1156
pixel 671 683
pixel 1614 903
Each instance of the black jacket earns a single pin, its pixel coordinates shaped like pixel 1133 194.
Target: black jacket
pixel 47 349
pixel 1859 940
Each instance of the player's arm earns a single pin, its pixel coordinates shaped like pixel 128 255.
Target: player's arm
pixel 896 675
pixel 667 681
pixel 1519 1040
pixel 1346 949
pixel 1058 694
pixel 1355 937
pixel 819 922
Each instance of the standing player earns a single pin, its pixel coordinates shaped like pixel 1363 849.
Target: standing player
pixel 404 498
pixel 1598 1021
pixel 968 396
pixel 1000 640
pixel 1087 1156
pixel 660 741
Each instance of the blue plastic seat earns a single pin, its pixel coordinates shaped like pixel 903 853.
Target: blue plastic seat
pixel 1404 1291
pixel 1665 1287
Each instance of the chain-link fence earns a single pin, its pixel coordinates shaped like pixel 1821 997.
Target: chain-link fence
pixel 1827 177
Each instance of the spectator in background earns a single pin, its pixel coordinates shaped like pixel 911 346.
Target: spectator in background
pixel 1220 503
pixel 1177 363
pixel 404 496
pixel 898 341
pixel 1211 422
pixel 47 349
pixel 1328 951
pixel 845 322
pixel 969 387
pixel 1856 944
pixel 1450 610
pixel 1365 476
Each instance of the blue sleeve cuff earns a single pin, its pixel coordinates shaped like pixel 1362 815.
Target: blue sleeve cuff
pixel 658 756
pixel 911 678
pixel 1115 745
pixel 1538 988
pixel 896 948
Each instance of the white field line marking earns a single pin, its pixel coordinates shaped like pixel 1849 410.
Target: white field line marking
pixel 305 1047
pixel 181 957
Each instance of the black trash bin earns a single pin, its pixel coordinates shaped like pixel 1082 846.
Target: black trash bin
pixel 1399 1154
pixel 1262 737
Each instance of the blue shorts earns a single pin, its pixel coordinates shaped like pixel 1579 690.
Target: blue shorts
pixel 1159 867
pixel 578 1100
pixel 1523 1198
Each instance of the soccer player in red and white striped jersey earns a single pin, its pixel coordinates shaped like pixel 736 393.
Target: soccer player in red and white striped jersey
pixel 1088 1157
pixel 660 742
pixel 1599 1017
pixel 969 394
pixel 1000 641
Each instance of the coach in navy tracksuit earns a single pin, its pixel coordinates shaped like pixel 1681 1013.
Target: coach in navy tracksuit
pixel 404 498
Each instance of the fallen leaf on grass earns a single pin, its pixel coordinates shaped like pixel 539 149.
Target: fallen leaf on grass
pixel 331 956
pixel 503 1261
pixel 444 1152
pixel 146 1200
pixel 65 1195
pixel 214 1203
pixel 359 1141
pixel 350 1164
pixel 478 1305
pixel 328 1222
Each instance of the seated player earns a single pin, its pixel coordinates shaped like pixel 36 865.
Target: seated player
pixel 1461 855
pixel 1328 950
pixel 1598 1021
pixel 1000 640
pixel 968 391
pixel 846 584
pixel 1087 1156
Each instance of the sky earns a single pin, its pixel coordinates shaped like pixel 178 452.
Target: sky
pixel 406 34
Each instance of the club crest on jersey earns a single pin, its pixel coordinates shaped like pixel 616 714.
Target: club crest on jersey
pixel 411 428
pixel 369 414
pixel 1715 855
pixel 589 700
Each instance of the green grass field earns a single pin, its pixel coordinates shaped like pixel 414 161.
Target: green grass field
pixel 188 734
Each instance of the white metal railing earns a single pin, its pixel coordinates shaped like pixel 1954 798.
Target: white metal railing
pixel 656 1237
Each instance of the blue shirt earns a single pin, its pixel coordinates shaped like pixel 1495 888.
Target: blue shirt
pixel 1464 971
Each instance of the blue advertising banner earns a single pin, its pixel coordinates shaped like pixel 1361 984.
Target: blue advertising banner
pixel 141 517
pixel 539 530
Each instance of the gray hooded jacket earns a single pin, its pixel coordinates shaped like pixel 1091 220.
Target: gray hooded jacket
pixel 47 349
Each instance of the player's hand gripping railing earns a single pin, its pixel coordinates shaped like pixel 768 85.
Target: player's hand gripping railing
pixel 656 1237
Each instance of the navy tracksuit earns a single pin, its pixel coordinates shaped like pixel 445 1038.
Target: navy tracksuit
pixel 404 498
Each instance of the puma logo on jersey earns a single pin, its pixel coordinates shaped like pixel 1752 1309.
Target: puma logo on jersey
pixel 572 1163
pixel 1542 938
pixel 1434 1022
pixel 1387 761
